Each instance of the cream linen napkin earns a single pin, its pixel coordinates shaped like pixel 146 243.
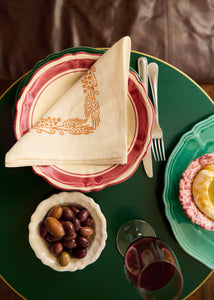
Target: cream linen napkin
pixel 88 124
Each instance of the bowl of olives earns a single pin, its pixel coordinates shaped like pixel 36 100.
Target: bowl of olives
pixel 67 231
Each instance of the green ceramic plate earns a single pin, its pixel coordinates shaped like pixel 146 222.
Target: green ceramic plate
pixel 195 240
pixel 182 104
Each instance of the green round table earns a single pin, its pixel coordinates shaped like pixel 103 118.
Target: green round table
pixel 182 103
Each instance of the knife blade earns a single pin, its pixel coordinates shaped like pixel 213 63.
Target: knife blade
pixel 143 72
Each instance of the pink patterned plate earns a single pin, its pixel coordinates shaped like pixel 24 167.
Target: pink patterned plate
pixel 185 191
pixel 46 85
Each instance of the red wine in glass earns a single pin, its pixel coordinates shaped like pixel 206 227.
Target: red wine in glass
pixel 150 265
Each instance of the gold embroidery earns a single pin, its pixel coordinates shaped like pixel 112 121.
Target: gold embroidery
pixel 77 126
pixel 91 105
pixel 73 126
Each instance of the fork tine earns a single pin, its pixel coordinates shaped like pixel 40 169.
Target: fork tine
pixel 156 149
pixel 159 149
pixel 153 150
pixel 163 149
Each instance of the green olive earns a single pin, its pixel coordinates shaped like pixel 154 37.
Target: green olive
pixel 64 258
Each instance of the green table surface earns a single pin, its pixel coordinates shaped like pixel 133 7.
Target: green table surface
pixel 181 105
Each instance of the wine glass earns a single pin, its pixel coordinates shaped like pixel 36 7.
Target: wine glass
pixel 150 265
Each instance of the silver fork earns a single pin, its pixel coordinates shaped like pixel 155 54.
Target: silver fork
pixel 157 134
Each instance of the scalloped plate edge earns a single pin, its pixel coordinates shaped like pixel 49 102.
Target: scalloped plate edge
pixel 177 233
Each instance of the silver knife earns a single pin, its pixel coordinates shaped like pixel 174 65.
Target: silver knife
pixel 143 72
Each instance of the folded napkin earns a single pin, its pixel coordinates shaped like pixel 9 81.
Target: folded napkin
pixel 88 124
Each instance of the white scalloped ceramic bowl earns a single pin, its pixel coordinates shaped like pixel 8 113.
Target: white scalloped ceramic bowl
pixel 39 245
